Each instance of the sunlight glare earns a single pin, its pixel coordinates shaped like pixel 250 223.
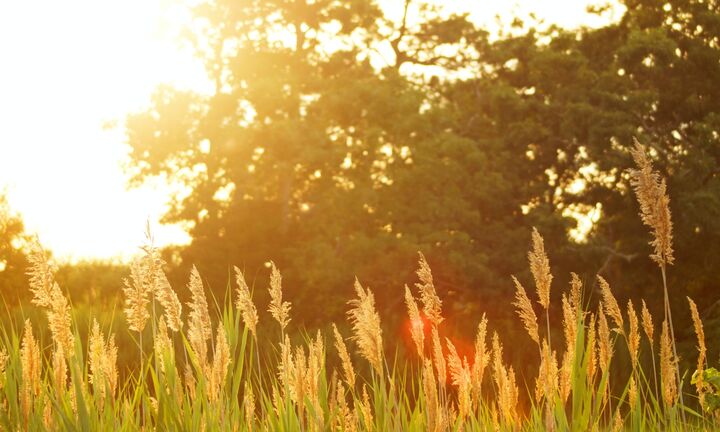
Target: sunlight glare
pixel 68 69
pixel 71 67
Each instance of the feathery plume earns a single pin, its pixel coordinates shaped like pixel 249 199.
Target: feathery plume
pixel 137 293
pixel 168 300
pixel 612 309
pixel 540 268
pixel 366 325
pixel 575 293
pixel 47 294
pixel 439 358
pixel 316 361
pixel 432 305
pixel 546 383
pixel 651 192
pixel 3 365
pixel 431 397
pixel 605 344
pixel 102 357
pixel 366 410
pixel 481 359
pixel 59 369
pixel 299 371
pixel 244 303
pixel 416 323
pixel 618 422
pixel 110 364
pixel 163 345
pixel 507 391
pixel 199 326
pixel 525 311
pixel 497 353
pixel 41 276
pixel 461 378
pixel 702 351
pixel 249 406
pixel 510 396
pixel 157 284
pixel 565 377
pixel 592 349
pixel 348 370
pixel 634 334
pixel 668 363
pixel 30 362
pixel 285 365
pixel 190 382
pixel 346 419
pixel 647 323
pixel 221 362
pixel 96 356
pixel 632 393
pixel 570 325
pixel 278 309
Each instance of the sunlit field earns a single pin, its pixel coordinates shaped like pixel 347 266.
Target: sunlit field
pixel 202 366
pixel 360 215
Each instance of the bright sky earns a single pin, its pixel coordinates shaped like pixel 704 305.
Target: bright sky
pixel 70 66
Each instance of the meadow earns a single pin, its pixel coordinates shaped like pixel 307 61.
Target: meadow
pixel 207 368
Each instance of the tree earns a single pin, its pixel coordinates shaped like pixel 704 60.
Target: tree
pixel 289 159
pixel 13 262
pixel 333 160
pixel 567 105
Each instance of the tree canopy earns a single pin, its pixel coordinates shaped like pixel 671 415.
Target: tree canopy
pixel 13 262
pixel 339 142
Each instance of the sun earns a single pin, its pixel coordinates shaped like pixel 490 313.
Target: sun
pixel 69 68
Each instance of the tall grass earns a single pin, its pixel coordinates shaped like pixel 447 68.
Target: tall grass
pixel 213 372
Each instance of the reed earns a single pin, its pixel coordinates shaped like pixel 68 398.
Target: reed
pixel 208 369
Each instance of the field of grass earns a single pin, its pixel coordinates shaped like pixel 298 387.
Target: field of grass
pixel 199 370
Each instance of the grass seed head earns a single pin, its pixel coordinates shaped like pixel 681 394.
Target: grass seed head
pixel 168 299
pixel 439 358
pixel 244 303
pixel 651 192
pixel 668 364
pixel 30 365
pixel 432 305
pixel 366 326
pixel 576 292
pixel 48 295
pixel 592 349
pixel 199 326
pixel 59 364
pixel 647 323
pixel 431 396
pixel 525 311
pixel 634 335
pixel 612 309
pixel 546 384
pixel 481 359
pixel 417 326
pixel 278 309
pixel 221 363
pixel 605 343
pixel 702 351
pixel 348 370
pixel 540 268
pixel 461 378
pixel 137 296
